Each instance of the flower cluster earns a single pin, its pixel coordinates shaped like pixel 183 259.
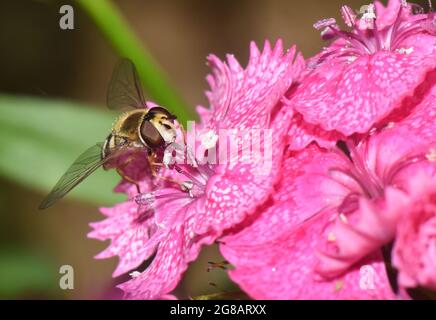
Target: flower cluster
pixel 347 207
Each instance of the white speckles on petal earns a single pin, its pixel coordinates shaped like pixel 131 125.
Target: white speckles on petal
pixel 352 98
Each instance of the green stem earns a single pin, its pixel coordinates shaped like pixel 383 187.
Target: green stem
pixel 118 32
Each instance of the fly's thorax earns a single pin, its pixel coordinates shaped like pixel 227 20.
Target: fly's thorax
pixel 127 124
pixel 124 132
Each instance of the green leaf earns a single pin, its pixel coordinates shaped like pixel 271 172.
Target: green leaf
pixel 117 31
pixel 23 272
pixel 40 138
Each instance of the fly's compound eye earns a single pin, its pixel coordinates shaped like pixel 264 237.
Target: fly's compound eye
pixel 150 135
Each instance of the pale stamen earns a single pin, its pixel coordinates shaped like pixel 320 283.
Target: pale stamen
pixel 367 38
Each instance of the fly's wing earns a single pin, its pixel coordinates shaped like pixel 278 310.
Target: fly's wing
pixel 125 91
pixel 84 165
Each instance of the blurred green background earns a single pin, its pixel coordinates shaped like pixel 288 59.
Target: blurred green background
pixel 52 106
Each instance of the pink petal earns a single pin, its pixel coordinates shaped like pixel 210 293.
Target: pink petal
pixel 353 97
pixel 238 188
pixel 296 201
pixel 406 141
pixel 165 271
pixel 354 241
pixel 415 245
pixel 242 98
pixel 130 240
pixel 314 188
pixel 419 114
pixel 422 43
pixel 302 133
pixel 386 15
pixel 205 114
pixel 284 266
pixel 275 251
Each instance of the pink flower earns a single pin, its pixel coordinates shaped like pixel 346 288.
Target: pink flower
pixel 389 158
pixel 414 253
pixel 368 71
pixel 176 218
pixel 332 212
pixel 274 254
pixel 352 136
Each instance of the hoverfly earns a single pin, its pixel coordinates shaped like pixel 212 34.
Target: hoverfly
pixel 138 128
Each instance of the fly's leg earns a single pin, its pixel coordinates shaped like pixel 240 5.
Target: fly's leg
pixel 152 164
